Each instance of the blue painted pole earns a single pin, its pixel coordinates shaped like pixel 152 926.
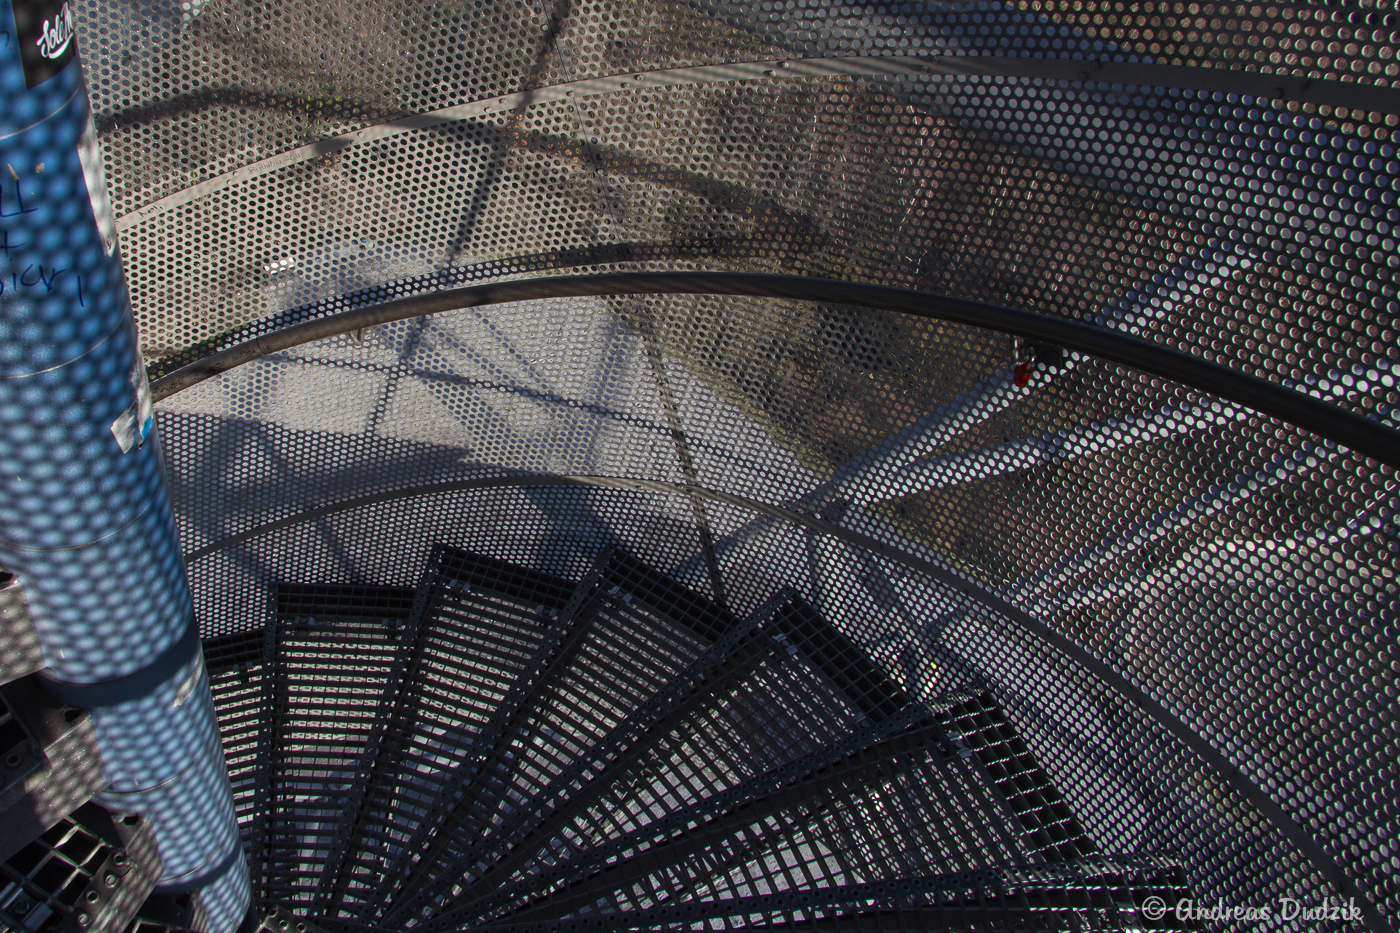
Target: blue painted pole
pixel 85 514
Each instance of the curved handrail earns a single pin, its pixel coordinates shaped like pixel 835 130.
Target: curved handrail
pixel 1324 419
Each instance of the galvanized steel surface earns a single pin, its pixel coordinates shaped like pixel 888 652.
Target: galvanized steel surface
pixel 275 165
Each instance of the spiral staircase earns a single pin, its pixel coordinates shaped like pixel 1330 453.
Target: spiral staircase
pixel 502 746
pixel 651 465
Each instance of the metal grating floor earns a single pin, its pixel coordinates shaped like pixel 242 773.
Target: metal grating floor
pixel 1164 600
pixel 631 749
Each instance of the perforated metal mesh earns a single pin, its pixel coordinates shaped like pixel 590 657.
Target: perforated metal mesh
pixel 1184 609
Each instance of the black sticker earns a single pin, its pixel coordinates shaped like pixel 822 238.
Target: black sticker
pixel 46 40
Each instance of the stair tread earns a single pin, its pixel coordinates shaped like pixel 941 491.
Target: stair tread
pixel 1105 896
pixel 539 746
pixel 810 815
pixel 585 689
pixel 475 631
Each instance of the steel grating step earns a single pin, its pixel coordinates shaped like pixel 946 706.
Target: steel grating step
pixel 90 871
pixel 514 748
pixel 842 813
pixel 1092 896
pixel 768 701
pixel 1051 829
pixel 476 639
pixel 626 633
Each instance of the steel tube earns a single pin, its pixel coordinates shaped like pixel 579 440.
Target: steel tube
pixel 85 514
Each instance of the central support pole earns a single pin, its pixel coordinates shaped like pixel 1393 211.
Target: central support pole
pixel 85 513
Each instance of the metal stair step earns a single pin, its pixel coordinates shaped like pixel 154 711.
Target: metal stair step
pixel 515 747
pixel 793 812
pixel 1097 895
pixel 621 643
pixel 91 871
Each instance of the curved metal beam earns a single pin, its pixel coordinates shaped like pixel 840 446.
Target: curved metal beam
pixel 1225 769
pixel 1375 98
pixel 1324 419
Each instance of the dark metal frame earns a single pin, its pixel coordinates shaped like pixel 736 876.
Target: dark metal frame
pixel 1131 693
pixel 50 775
pixel 558 647
pixel 1362 434
pixel 558 604
pixel 972 896
pixel 536 821
pixel 616 582
pixel 710 807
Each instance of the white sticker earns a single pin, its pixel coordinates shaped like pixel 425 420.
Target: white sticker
pixel 187 688
pixel 133 425
pixel 91 158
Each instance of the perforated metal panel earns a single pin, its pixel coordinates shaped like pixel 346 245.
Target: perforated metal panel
pixel 1185 608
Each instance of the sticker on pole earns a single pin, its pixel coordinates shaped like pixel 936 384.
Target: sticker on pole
pixel 90 158
pixel 133 425
pixel 187 688
pixel 47 41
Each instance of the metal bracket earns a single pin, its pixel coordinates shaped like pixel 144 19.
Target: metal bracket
pixel 57 771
